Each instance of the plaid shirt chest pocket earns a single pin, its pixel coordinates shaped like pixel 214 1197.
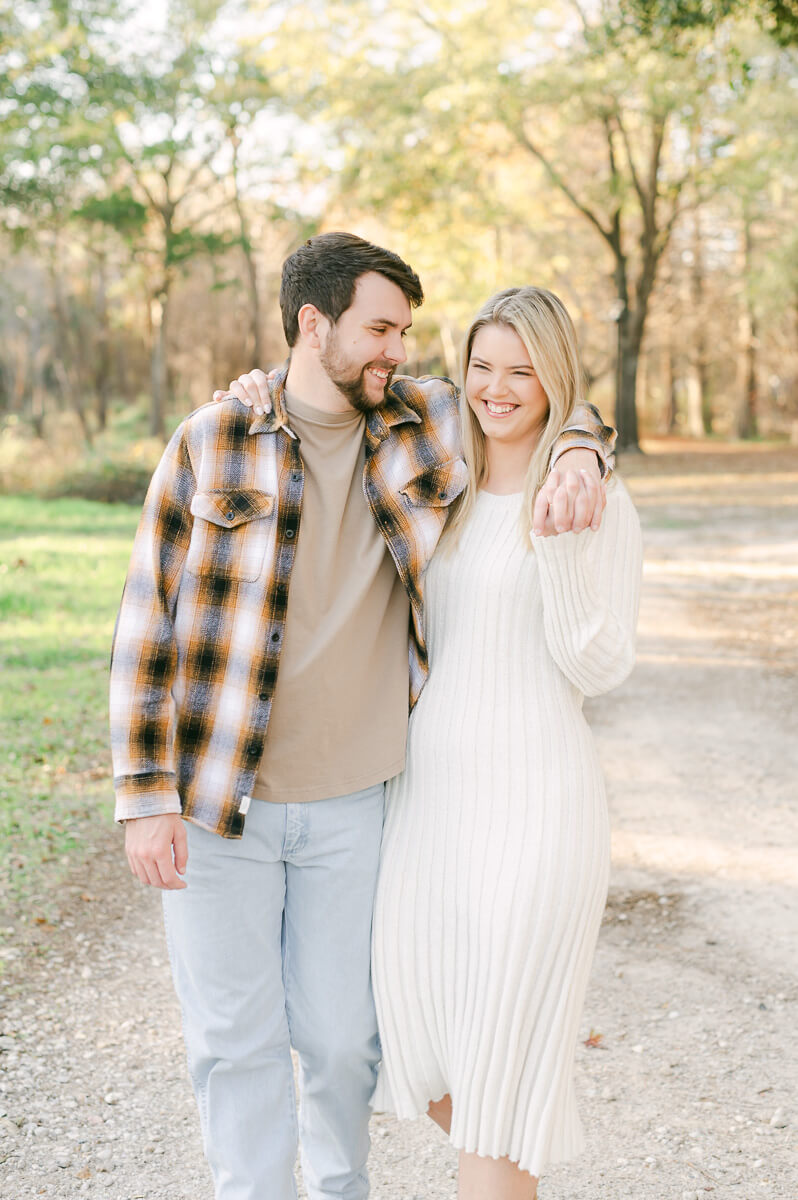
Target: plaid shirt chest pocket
pixel 438 486
pixel 231 534
pixel 427 498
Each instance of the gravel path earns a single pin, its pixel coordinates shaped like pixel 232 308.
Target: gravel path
pixel 686 1065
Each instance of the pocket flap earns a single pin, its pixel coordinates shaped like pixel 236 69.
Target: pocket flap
pixel 232 507
pixel 438 486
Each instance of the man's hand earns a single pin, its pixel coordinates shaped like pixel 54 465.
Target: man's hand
pixel 572 498
pixel 251 389
pixel 148 845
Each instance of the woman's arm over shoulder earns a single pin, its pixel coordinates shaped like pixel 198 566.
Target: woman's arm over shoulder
pixel 590 583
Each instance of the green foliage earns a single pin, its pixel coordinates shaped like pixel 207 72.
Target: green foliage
pixel 62 567
pixel 120 209
pixel 667 19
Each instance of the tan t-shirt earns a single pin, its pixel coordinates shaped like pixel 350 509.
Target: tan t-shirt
pixel 339 714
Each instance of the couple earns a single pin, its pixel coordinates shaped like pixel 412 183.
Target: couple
pixel 259 698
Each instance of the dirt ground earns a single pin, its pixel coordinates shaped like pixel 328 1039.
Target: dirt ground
pixel 686 1067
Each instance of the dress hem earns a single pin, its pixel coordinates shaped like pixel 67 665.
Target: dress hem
pixel 535 1168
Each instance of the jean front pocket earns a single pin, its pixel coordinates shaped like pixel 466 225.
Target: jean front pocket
pixel 230 534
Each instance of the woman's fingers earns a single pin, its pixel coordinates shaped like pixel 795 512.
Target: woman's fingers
pixel 252 389
pixel 258 389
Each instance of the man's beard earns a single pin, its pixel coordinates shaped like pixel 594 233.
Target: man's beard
pixel 349 380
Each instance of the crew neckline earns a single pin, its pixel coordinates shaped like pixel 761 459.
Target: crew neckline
pixel 320 416
pixel 500 495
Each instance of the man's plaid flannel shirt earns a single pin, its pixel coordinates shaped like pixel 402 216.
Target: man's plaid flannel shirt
pixel 200 629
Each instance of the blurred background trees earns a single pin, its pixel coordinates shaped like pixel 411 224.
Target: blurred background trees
pixel 158 161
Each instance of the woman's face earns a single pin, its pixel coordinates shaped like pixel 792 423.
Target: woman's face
pixel 502 387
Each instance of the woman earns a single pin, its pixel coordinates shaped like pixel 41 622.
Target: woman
pixel 496 845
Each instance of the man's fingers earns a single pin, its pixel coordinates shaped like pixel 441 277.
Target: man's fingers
pixel 159 873
pixel 181 849
pixel 583 509
pixel 168 878
pixel 540 512
pixel 602 504
pixel 137 870
pixel 588 503
pixel 148 844
pixel 562 509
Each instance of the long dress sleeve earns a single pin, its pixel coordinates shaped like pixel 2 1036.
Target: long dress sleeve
pixel 590 584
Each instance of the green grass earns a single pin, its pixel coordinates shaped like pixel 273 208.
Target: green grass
pixel 62 566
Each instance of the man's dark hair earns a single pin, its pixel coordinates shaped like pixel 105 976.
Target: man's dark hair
pixel 326 269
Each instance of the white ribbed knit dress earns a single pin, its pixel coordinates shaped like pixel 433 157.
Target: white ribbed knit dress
pixel 495 854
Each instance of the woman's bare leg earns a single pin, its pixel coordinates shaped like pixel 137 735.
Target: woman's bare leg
pixel 494 1179
pixel 441 1112
pixel 484 1178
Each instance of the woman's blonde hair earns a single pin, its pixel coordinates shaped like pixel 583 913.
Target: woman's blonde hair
pixel 542 323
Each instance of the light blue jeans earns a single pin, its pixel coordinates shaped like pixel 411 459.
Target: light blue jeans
pixel 270 948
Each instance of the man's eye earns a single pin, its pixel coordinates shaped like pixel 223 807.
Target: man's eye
pixel 378 329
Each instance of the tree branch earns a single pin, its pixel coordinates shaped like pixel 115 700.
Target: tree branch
pixel 558 181
pixel 630 159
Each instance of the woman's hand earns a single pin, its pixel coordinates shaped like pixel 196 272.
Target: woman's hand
pixel 251 389
pixel 568 501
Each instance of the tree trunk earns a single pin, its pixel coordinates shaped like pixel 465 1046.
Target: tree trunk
pixel 671 407
pixel 102 373
pixel 158 373
pixel 626 382
pixel 747 422
pixel 747 419
pixel 695 402
pixel 67 359
pixel 699 409
pixel 35 374
pixel 249 257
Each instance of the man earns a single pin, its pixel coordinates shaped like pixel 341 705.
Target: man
pixel 257 807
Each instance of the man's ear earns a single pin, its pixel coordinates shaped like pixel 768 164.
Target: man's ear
pixel 313 326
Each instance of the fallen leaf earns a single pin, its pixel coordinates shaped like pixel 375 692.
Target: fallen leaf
pixel 593 1042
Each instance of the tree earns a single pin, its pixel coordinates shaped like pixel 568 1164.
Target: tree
pixel 593 109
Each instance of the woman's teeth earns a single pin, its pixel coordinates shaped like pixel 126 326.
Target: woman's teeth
pixel 499 410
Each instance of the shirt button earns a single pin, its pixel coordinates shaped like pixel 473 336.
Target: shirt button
pixel 263 695
pixel 275 636
pixel 230 515
pixel 441 495
pixel 296 477
pixel 289 533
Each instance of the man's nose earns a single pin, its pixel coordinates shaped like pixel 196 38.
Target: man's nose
pixel 395 350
